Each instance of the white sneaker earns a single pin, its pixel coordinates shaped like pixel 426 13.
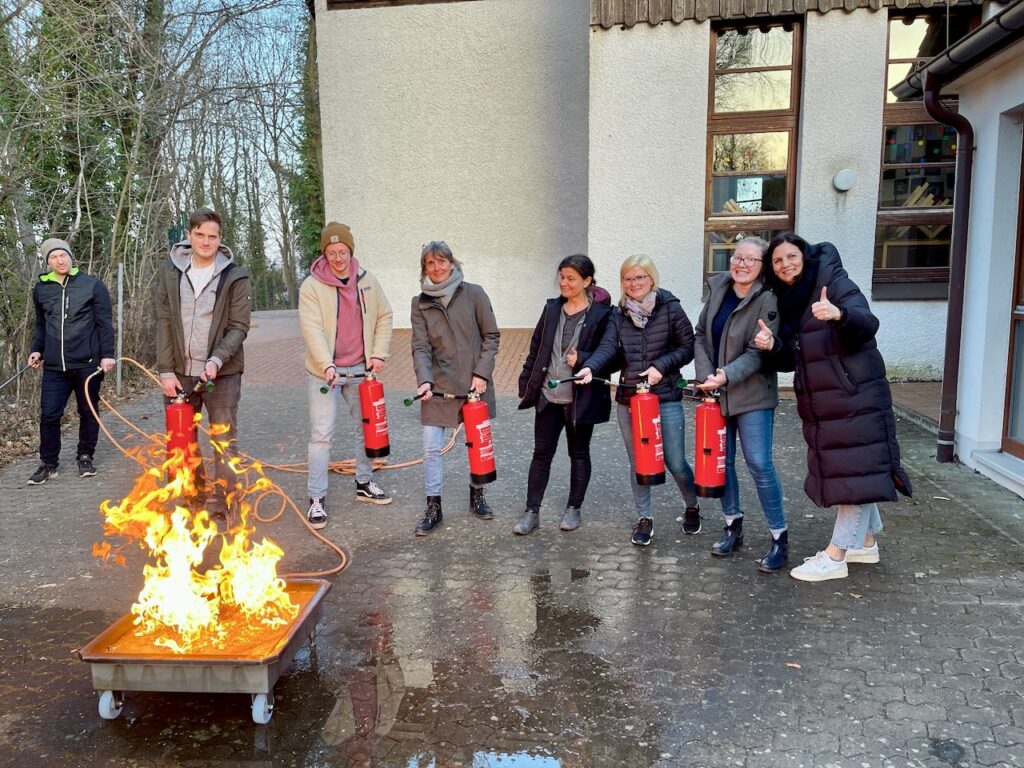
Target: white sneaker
pixel 863 554
pixel 821 567
pixel 316 515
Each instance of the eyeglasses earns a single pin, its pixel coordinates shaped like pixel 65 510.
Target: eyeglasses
pixel 746 261
pixel 435 245
pixel 637 279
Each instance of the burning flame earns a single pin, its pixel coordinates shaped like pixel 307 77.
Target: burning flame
pixel 184 605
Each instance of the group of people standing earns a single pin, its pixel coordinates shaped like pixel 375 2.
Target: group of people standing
pixel 783 306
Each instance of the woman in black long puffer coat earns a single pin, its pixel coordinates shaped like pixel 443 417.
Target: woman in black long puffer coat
pixel 827 336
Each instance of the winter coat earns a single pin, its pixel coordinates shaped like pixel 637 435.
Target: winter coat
pixel 843 396
pixel 451 345
pixel 750 386
pixel 74 327
pixel 666 342
pixel 318 317
pixel 230 322
pixel 591 404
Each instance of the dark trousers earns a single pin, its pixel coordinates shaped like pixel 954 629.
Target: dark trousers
pixel 547 427
pixel 56 391
pixel 221 408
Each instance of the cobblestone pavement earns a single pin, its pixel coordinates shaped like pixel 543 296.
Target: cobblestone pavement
pixel 472 647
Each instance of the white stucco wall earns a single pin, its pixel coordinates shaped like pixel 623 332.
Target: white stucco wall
pixel 994 104
pixel 648 134
pixel 841 127
pixel 465 122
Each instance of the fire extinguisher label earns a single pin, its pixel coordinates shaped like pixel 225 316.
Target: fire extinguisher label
pixel 380 416
pixel 720 464
pixel 659 448
pixel 485 441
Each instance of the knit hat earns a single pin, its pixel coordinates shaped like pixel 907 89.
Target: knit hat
pixel 336 233
pixel 54 244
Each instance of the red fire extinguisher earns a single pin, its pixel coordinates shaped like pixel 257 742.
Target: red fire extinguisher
pixel 181 433
pixel 648 450
pixel 479 442
pixel 375 417
pixel 709 464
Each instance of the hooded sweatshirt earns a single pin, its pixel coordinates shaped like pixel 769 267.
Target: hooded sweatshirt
pixel 348 340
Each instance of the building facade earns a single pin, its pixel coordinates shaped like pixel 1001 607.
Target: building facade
pixel 523 130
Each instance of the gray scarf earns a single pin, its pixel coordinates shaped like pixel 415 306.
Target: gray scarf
pixel 443 291
pixel 640 311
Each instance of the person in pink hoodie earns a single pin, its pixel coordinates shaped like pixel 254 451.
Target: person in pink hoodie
pixel 346 327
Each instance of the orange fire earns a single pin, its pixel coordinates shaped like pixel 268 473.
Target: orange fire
pixel 185 605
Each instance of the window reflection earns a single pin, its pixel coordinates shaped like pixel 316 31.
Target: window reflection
pixel 752 91
pixel 753 48
pixel 912 247
pixel 750 151
pixel 913 39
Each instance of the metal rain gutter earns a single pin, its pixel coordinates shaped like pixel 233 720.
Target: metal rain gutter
pixel 989 39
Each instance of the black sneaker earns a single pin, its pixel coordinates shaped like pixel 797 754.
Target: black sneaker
pixel 371 492
pixel 643 532
pixel 85 466
pixel 43 474
pixel 316 515
pixel 691 520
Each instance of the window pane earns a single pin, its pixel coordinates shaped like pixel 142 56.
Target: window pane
pixel 896 75
pixel 750 151
pixel 1015 423
pixel 752 91
pixel 924 246
pixel 754 48
pixel 925 143
pixel 720 245
pixel 916 187
pixel 748 194
pixel 924 36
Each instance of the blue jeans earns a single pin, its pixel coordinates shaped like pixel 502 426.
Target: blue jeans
pixel 433 471
pixel 53 398
pixel 755 432
pixel 323 410
pixel 673 433
pixel 852 524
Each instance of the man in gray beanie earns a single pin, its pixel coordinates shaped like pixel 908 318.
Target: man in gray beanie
pixel 74 337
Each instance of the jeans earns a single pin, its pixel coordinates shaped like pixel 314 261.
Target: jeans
pixel 433 471
pixel 755 432
pixel 547 427
pixel 673 433
pixel 323 409
pixel 852 524
pixel 56 390
pixel 221 408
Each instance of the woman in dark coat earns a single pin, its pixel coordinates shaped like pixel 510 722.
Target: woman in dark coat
pixel 827 336
pixel 454 344
pixel 569 330
pixel 651 338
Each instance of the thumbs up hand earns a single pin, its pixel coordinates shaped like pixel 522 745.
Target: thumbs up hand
pixel 764 339
pixel 823 309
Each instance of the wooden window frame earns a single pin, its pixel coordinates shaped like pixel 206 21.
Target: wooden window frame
pixel 908 283
pixel 763 121
pixel 1010 445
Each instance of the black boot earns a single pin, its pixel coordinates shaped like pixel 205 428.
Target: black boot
pixel 478 504
pixel 732 539
pixel 431 518
pixel 775 559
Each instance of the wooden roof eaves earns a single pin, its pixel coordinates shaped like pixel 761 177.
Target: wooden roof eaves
pixel 606 14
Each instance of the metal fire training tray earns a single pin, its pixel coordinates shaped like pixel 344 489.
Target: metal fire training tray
pixel 115 671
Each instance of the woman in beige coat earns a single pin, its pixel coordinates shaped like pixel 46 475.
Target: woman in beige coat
pixel 454 344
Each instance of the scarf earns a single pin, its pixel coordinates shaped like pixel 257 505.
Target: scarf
pixel 795 299
pixel 443 291
pixel 640 311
